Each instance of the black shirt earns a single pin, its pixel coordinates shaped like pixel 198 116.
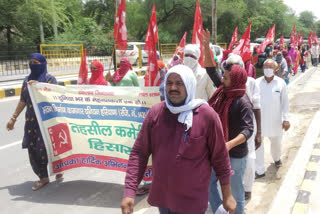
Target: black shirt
pixel 240 117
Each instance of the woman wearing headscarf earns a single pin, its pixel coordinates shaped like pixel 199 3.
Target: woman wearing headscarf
pixel 32 139
pixel 124 76
pixel 302 50
pixel 97 77
pixel 235 112
pixel 289 64
pixel 294 55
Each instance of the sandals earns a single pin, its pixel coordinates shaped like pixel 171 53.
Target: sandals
pixel 39 184
pixel 143 190
pixel 44 181
pixel 59 177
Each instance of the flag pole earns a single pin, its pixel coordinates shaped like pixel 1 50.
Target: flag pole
pixel 114 46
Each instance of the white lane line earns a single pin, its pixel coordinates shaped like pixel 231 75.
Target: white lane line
pixel 10 145
pixel 8 99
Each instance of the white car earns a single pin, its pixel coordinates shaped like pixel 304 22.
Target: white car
pixel 132 53
pixel 218 51
pixel 252 45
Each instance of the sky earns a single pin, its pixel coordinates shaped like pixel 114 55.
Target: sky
pixel 301 5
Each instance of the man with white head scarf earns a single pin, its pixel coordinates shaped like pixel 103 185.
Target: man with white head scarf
pixel 185 138
pixel 205 87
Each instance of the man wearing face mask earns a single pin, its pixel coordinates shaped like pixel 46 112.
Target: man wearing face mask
pixel 282 68
pixel 274 114
pixel 204 89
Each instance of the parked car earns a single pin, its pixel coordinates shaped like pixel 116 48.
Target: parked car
pixel 217 50
pixel 252 45
pixel 132 53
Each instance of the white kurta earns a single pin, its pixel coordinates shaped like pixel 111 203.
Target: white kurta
pixel 253 93
pixel 205 87
pixel 274 105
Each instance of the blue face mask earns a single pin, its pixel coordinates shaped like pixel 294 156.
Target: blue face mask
pixel 38 72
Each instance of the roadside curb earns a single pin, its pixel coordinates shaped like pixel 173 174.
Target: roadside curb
pixel 307 198
pixel 287 195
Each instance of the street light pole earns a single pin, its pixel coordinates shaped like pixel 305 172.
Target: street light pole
pixel 214 22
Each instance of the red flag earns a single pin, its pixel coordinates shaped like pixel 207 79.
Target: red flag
pixel 120 28
pixel 152 25
pixel 182 44
pixel 234 38
pixel 310 38
pixel 153 20
pixel 197 32
pixel 314 38
pixel 300 41
pixel 293 36
pixel 269 39
pixel 273 32
pixel 243 47
pixel 83 71
pixel 281 42
pixel 152 77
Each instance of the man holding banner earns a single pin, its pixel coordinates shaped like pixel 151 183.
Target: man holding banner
pixel 185 138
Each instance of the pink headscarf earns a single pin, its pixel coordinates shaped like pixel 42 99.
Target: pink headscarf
pixel 97 75
pixel 125 65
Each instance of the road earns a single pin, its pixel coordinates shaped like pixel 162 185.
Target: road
pixel 83 190
pixel 89 190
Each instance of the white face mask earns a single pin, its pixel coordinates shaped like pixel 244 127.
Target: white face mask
pixel 190 62
pixel 268 72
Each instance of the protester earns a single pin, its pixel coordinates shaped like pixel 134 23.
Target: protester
pixel 97 77
pixel 254 58
pixel 250 69
pixel 295 69
pixel 307 57
pixel 293 54
pixel 185 138
pixel 282 67
pixel 268 51
pixel 254 142
pixel 302 50
pixel 315 54
pixel 32 139
pixel 124 76
pixel 259 65
pixel 235 112
pixel 162 72
pixel 289 64
pixel 274 114
pixel 204 89
pixel 176 59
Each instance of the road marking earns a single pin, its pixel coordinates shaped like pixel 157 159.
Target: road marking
pixel 8 99
pixel 10 145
